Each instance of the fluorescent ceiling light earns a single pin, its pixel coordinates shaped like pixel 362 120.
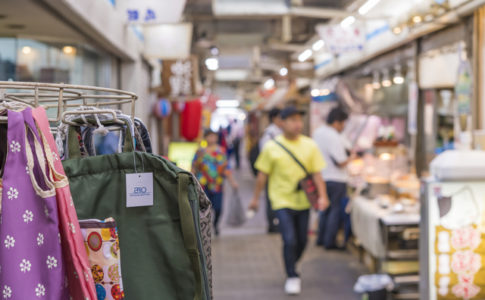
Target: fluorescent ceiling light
pixel 318 45
pixel 212 63
pixel 227 103
pixel 366 7
pixel 305 55
pixel 269 84
pixel 398 80
pixel 347 22
pixel 283 71
pixel 386 83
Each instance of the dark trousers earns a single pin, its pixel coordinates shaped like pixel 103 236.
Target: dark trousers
pixel 270 214
pixel 345 219
pixel 216 200
pixel 331 218
pixel 294 231
pixel 236 148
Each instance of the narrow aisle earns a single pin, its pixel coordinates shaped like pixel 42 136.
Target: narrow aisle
pixel 248 262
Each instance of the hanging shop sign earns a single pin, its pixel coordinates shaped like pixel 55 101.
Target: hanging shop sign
pixel 456 244
pixel 167 41
pixel 151 11
pixel 464 94
pixel 341 39
pixel 179 77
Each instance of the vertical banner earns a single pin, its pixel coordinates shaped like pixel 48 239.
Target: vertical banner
pixel 413 108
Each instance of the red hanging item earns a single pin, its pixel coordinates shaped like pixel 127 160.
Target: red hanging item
pixel 190 120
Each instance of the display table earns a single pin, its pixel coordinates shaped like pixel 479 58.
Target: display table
pixel 370 224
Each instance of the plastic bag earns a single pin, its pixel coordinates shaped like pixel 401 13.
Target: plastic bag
pixel 372 283
pixel 236 215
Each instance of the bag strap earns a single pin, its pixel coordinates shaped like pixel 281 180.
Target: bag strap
pixel 73 143
pixel 292 156
pixel 188 231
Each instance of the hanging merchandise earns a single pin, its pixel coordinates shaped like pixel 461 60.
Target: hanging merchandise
pixel 156 254
pixel 144 135
pixel 178 106
pixel 163 217
pixel 190 120
pixel 31 259
pixel 74 253
pixel 162 108
pixel 103 247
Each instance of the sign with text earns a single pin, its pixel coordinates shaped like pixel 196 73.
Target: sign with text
pixel 151 11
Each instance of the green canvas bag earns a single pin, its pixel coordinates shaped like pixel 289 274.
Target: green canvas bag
pixel 162 256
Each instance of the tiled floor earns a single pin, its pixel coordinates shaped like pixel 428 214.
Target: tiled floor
pixel 248 262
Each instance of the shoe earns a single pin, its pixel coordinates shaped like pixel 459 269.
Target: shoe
pixel 293 286
pixel 273 229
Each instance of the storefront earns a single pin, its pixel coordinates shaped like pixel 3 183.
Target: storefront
pixel 403 114
pixel 39 60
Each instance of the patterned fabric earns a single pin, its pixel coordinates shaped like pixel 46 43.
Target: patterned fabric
pixel 103 247
pixel 80 287
pixel 205 216
pixel 210 167
pixel 460 270
pixel 31 256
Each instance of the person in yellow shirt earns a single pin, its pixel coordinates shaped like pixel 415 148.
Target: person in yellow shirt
pixel 290 203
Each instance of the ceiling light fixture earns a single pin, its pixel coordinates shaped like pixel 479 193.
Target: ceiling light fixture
pixel 305 55
pixel 386 81
pixel 68 50
pixel 283 71
pixel 269 84
pixel 397 30
pixel 315 93
pixel 398 77
pixel 212 63
pixel 375 81
pixel 366 7
pixel 417 19
pixel 26 50
pixel 347 22
pixel 214 50
pixel 318 45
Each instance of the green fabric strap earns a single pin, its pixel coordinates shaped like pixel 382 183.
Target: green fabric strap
pixel 188 231
pixel 73 142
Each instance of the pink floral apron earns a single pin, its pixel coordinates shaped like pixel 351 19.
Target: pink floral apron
pixel 81 283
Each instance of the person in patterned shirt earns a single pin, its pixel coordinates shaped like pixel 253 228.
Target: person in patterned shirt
pixel 210 166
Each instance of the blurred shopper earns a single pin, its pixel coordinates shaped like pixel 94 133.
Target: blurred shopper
pixel 283 174
pixel 332 145
pixel 272 131
pixel 235 137
pixel 211 168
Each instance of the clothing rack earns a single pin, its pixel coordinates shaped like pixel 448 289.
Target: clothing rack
pixel 66 97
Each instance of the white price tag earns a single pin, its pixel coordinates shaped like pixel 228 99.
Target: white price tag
pixel 139 189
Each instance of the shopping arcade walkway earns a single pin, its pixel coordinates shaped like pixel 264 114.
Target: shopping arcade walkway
pixel 248 262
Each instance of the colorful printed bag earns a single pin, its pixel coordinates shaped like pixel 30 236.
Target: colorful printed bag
pixel 103 248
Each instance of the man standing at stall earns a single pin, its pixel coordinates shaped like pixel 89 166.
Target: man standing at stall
pixel 290 204
pixel 331 144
